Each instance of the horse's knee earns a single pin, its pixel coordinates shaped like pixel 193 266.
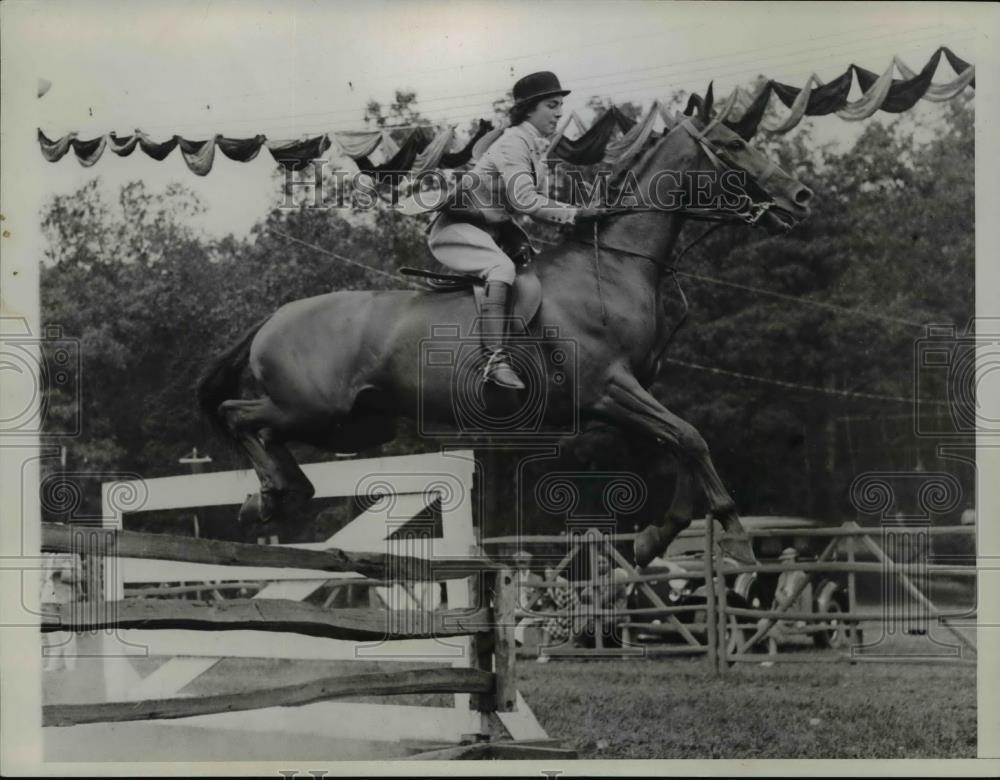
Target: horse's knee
pixel 254 414
pixel 683 437
pixel 238 414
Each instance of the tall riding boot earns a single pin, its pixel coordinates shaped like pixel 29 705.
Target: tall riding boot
pixel 494 325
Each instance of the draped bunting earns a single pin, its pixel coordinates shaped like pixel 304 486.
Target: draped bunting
pixel 400 162
pixel 430 158
pixel 420 152
pixel 198 155
pixel 938 93
pixel 158 151
pixel 589 148
pixel 298 154
pixel 53 151
pixel 879 93
pixel 358 143
pixel 622 150
pixel 479 147
pixel 581 128
pixel 465 154
pixel 123 147
pixel 240 149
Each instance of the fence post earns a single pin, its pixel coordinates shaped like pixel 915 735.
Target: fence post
pixel 719 592
pixel 852 590
pixel 711 624
pixel 593 536
pixel 505 593
pixel 482 645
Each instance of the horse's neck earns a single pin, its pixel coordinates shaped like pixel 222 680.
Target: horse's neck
pixel 632 253
pixel 651 234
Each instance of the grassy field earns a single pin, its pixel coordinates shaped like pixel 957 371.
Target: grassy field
pixel 676 709
pixel 670 709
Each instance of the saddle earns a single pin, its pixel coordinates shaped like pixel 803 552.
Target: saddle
pixel 527 292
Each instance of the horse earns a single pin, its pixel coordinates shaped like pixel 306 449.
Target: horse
pixel 337 370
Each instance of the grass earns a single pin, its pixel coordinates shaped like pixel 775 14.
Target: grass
pixel 676 709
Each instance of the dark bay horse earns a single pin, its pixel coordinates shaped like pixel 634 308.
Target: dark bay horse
pixel 335 370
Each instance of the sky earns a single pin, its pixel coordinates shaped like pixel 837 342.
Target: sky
pixel 196 68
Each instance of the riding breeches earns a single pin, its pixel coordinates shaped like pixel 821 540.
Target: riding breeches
pixel 469 249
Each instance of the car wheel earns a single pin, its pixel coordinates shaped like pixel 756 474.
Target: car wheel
pixel 836 635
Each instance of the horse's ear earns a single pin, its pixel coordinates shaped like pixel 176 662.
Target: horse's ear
pixel 706 108
pixel 694 103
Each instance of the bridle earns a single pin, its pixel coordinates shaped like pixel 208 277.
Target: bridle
pixel 750 215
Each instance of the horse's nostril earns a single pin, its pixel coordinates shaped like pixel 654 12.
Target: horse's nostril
pixel 803 196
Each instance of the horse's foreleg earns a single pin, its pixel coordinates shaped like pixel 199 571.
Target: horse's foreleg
pixel 653 540
pixel 283 485
pixel 628 404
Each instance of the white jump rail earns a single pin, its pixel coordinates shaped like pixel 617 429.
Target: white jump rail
pixel 409 485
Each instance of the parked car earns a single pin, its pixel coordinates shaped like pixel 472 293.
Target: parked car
pixel 679 588
pixel 825 594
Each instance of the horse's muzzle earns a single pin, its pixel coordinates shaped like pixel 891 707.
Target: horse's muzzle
pixel 782 217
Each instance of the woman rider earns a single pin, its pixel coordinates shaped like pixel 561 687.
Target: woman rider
pixel 508 179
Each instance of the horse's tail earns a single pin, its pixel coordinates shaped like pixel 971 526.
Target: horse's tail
pixel 220 380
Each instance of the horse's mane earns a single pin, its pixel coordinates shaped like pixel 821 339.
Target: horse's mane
pixel 696 106
pixel 699 108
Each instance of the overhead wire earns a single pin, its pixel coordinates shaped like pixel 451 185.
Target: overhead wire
pixel 541 54
pixel 343 258
pixel 663 80
pixel 799 386
pixel 806 301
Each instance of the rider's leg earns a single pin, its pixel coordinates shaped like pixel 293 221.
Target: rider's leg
pixel 468 249
pixel 493 326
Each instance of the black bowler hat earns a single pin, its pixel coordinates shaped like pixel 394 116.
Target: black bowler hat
pixel 537 85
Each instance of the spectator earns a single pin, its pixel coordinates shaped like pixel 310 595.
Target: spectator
pixel 527 580
pixel 789 581
pixel 529 596
pixel 608 593
pixel 559 629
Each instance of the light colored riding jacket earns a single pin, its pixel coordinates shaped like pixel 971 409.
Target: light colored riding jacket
pixel 510 179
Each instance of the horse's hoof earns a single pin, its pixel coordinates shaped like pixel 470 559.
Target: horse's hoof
pixel 738 548
pixel 259 509
pixel 647 545
pixel 250 512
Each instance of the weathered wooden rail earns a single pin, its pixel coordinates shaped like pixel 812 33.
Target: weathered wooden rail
pixel 489 622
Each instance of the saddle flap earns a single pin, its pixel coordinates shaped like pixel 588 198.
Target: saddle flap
pixel 527 292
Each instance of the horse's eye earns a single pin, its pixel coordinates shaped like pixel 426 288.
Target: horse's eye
pixel 736 146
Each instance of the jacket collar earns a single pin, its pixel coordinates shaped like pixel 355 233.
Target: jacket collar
pixel 538 141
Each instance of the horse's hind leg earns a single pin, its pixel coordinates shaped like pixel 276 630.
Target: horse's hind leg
pixel 284 488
